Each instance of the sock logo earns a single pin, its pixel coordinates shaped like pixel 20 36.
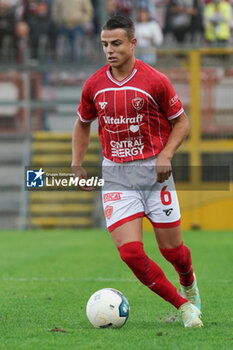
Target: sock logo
pixel 168 211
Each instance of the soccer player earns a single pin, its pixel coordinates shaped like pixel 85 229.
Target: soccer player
pixel 141 124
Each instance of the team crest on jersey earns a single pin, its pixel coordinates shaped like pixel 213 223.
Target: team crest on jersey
pixel 103 104
pixel 108 211
pixel 138 103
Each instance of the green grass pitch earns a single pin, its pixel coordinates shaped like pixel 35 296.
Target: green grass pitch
pixel 47 277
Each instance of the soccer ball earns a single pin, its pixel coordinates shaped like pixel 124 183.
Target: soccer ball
pixel 107 308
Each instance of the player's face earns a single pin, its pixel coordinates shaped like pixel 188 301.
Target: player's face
pixel 118 48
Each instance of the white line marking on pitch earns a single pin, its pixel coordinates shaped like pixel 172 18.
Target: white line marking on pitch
pixel 66 279
pixel 89 279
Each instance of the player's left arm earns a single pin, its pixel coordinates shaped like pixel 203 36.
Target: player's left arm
pixel 180 129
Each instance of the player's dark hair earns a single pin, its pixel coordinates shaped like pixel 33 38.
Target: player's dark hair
pixel 120 21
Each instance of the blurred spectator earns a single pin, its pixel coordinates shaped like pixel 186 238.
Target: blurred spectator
pixel 111 7
pixel 43 32
pixel 7 28
pixel 22 30
pixel 13 33
pixel 149 35
pixel 96 17
pixel 130 7
pixel 184 20
pixel 149 5
pixel 124 7
pixel 12 3
pixel 29 9
pixel 15 4
pixel 217 19
pixel 22 47
pixel 72 16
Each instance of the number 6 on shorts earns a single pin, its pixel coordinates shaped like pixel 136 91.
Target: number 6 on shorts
pixel 165 196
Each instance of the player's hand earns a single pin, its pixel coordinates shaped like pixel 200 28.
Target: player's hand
pixel 163 167
pixel 81 173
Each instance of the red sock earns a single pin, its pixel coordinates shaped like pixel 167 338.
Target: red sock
pixel 149 273
pixel 180 258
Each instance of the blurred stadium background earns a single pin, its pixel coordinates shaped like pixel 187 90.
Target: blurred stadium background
pixel 39 95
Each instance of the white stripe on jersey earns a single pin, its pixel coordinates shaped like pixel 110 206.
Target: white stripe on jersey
pixel 117 132
pixel 115 112
pixel 176 115
pixel 139 128
pixel 84 120
pixel 126 114
pixel 120 83
pixel 126 88
pixel 105 143
pixel 160 136
pixel 148 114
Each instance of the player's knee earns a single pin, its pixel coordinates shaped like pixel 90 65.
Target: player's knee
pixel 145 269
pixel 132 253
pixel 169 255
pixel 178 255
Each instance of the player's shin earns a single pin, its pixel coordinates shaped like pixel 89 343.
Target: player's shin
pixel 149 273
pixel 180 258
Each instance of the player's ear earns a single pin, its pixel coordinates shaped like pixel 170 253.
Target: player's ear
pixel 133 42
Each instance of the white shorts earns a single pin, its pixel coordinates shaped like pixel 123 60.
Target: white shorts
pixel 131 191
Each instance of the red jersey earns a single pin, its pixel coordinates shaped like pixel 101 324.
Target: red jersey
pixel 133 114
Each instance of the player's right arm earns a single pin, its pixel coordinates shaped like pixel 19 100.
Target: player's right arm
pixel 80 142
pixel 81 132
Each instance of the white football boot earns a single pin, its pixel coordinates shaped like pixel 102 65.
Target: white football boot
pixel 191 293
pixel 190 315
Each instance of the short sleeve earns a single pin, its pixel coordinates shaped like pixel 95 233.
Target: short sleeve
pixel 169 102
pixel 86 109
